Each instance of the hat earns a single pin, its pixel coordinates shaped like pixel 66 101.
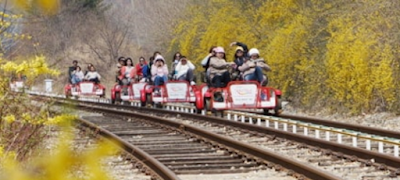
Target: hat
pixel 239 48
pixel 219 49
pixel 253 51
pixel 159 58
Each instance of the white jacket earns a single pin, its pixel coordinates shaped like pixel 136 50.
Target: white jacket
pixel 78 74
pixel 92 75
pixel 182 69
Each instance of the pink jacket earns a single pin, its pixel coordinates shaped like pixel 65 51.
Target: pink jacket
pixel 158 71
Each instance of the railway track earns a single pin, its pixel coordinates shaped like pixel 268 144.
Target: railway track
pixel 176 150
pixel 245 156
pixel 331 157
pixel 379 140
pixel 190 150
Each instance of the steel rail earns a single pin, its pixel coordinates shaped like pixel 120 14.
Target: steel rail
pixel 355 127
pixel 364 155
pixel 253 152
pixel 347 151
pixel 156 166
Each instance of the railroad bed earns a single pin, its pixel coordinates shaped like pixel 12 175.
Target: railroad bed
pixel 185 152
pixel 278 137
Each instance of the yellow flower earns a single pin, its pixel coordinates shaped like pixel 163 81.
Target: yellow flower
pixel 9 119
pixel 1 152
pixel 62 119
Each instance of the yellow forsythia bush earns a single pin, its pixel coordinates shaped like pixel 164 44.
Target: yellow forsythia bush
pixel 341 55
pixel 23 127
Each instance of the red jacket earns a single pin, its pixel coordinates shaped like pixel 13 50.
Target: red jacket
pixel 132 73
pixel 139 69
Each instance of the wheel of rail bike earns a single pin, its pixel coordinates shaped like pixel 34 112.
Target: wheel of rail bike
pixel 158 105
pixel 149 101
pixel 278 107
pixel 266 111
pixel 68 95
pixel 217 113
pixel 142 104
pixel 207 104
pixel 117 98
pixel 198 111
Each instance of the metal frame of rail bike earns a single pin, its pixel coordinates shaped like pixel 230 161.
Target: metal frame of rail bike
pixel 171 92
pixel 84 88
pixel 242 95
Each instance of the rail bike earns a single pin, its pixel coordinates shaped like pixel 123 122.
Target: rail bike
pixel 127 93
pixel 171 92
pixel 17 83
pixel 84 88
pixel 17 86
pixel 239 95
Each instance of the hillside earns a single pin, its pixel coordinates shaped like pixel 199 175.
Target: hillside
pixel 341 55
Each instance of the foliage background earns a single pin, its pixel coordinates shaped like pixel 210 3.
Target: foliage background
pixel 341 55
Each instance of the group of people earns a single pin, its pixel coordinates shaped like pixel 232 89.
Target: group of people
pixel 76 74
pixel 247 66
pixel 155 71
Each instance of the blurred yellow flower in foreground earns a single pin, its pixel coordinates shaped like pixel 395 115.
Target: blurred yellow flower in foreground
pixel 63 163
pixel 48 7
pixel 9 118
pixel 61 119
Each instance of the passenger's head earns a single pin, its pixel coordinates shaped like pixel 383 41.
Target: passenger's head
pixel 156 53
pixel 159 61
pixel 142 60
pixel 239 52
pixel 177 56
pixel 121 60
pixel 220 52
pixel 151 59
pixel 211 51
pixel 254 53
pixel 91 68
pixel 78 68
pixel 129 62
pixel 183 60
pixel 75 62
pixel 89 65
